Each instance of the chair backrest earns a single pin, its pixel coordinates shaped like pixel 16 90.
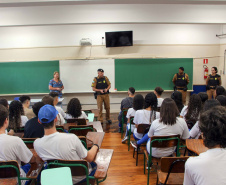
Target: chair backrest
pixel 165 142
pixel 60 128
pixel 78 167
pixel 77 121
pixel 176 164
pixel 131 120
pixel 87 111
pixel 29 142
pixel 9 169
pixel 19 130
pixel 56 176
pixel 80 130
pixel 143 128
pixel 124 111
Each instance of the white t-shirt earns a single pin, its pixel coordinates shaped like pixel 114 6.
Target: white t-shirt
pixel 206 169
pixel 82 116
pixel 142 117
pixel 184 111
pixel 60 119
pixel 24 120
pixel 159 129
pixel 61 146
pixel 13 148
pixel 61 111
pixel 160 100
pixel 131 112
pixel 195 131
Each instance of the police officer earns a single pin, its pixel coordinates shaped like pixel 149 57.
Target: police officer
pixel 101 86
pixel 212 81
pixel 181 81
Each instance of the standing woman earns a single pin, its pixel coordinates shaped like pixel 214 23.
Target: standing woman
pixel 56 85
pixel 212 81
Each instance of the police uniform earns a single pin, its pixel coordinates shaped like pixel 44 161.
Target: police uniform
pixel 181 82
pixel 211 84
pixel 102 83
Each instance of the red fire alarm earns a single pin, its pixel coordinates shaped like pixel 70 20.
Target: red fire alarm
pixel 205 61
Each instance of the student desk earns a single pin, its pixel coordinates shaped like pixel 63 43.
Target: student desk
pixel 96 137
pixel 196 145
pixel 103 159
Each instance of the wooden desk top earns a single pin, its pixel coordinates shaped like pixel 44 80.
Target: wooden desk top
pixel 97 125
pixel 96 112
pixel 35 167
pixel 96 137
pixel 196 145
pixel 103 159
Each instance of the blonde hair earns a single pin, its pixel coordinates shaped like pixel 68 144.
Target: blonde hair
pixel 55 73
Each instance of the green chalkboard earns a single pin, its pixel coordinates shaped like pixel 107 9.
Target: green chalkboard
pixel 26 77
pixel 146 74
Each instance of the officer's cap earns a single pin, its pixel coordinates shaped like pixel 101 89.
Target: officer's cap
pixel 100 70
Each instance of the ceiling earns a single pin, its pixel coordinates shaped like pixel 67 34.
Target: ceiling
pixel 15 3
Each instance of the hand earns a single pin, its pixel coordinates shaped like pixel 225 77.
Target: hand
pixel 59 89
pixel 101 91
pixel 105 90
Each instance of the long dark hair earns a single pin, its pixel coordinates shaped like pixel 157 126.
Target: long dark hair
pixel 168 112
pixel 15 112
pixel 138 102
pixel 194 108
pixel 74 108
pixel 151 101
pixel 177 97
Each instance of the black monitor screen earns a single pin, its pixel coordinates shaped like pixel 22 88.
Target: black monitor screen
pixel 119 38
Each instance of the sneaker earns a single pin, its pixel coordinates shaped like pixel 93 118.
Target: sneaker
pixel 109 121
pixel 134 144
pixel 124 139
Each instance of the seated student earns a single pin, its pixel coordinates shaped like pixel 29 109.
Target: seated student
pixel 4 102
pixel 138 104
pixel 16 116
pixel 55 96
pixel 168 124
pixel 33 129
pixel 74 110
pixel 177 97
pixel 55 145
pixel 25 100
pixel 125 104
pixel 222 100
pixel 220 90
pixel 145 116
pixel 195 131
pixel 191 112
pixel 158 92
pixel 49 100
pixel 209 167
pixel 12 147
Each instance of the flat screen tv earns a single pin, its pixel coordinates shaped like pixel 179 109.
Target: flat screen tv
pixel 119 38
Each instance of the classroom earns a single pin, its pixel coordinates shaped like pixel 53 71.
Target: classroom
pixel 68 41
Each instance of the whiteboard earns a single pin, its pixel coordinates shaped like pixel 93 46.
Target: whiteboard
pixel 77 75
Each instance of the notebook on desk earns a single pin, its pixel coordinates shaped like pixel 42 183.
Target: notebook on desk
pixel 90 117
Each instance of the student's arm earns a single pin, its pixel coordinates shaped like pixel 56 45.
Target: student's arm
pixel 92 154
pixel 33 159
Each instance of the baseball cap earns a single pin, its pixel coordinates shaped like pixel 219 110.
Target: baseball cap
pixel 47 114
pixel 181 68
pixel 100 70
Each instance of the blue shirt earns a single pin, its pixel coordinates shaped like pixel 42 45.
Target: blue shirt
pixel 59 84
